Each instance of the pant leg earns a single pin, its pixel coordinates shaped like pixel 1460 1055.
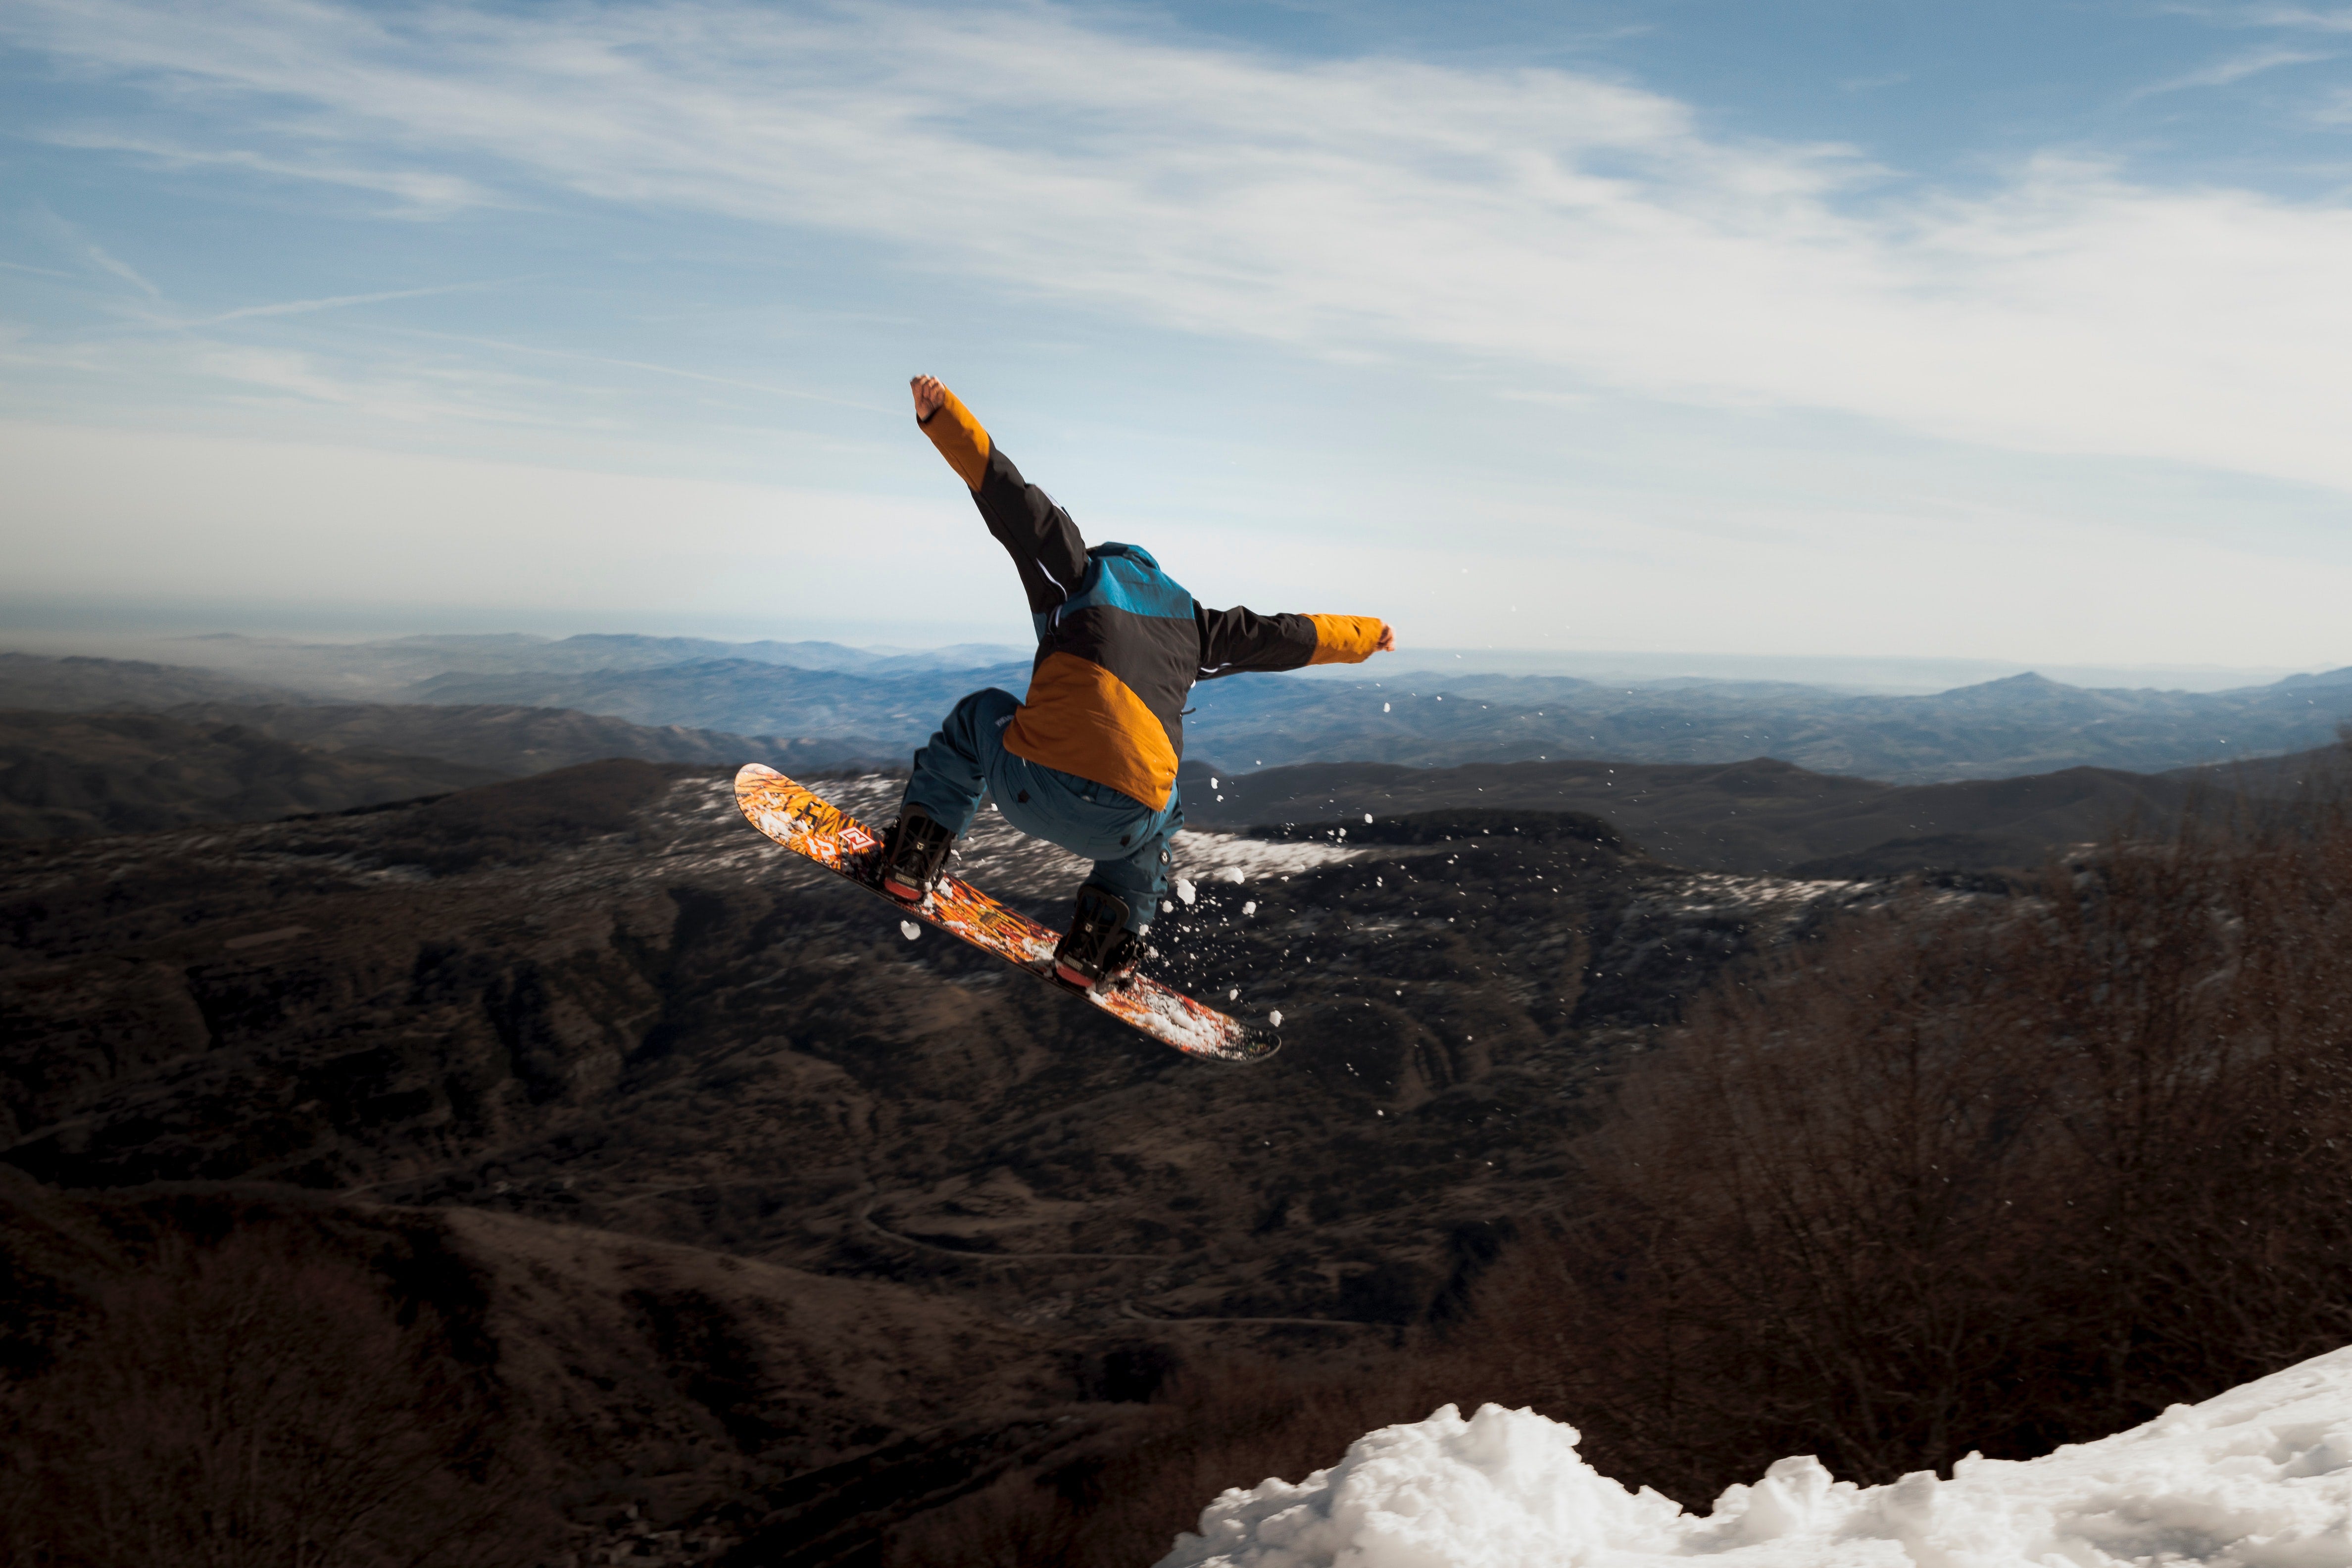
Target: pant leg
pixel 951 773
pixel 1141 877
pixel 1126 840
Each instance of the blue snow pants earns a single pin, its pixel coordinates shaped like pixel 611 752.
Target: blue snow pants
pixel 1127 841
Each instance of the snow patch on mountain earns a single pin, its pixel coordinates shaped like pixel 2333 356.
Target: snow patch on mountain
pixel 1228 857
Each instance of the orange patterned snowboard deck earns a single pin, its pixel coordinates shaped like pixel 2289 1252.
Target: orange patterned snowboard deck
pixel 798 820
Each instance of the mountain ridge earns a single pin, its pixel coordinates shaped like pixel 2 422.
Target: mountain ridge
pixel 71 774
pixel 2015 726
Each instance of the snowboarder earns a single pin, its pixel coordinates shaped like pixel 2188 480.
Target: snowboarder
pixel 1090 761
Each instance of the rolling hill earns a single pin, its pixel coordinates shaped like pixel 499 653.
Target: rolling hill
pixel 68 775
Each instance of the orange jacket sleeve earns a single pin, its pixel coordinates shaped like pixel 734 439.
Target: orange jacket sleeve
pixel 1345 639
pixel 960 439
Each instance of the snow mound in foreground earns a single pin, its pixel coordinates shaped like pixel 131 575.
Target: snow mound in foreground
pixel 2260 1476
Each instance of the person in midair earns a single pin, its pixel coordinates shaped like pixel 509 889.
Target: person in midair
pixel 1090 761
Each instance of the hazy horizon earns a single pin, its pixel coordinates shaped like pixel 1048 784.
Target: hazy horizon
pixel 1890 674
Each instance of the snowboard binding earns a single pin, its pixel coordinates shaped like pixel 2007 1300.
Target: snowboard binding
pixel 915 856
pixel 1099 947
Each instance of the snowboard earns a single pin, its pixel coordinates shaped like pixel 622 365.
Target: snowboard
pixel 797 819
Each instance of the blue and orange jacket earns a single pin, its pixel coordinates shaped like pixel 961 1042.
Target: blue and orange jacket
pixel 1120 642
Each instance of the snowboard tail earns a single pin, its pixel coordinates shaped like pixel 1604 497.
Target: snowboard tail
pixel 802 822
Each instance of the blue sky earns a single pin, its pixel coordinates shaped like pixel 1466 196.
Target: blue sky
pixel 2001 331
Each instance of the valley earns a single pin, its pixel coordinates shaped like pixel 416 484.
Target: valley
pixel 595 1021
pixel 767 1235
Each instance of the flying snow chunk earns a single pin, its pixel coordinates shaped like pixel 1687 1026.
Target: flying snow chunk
pixel 1250 908
pixel 1231 874
pixel 1184 888
pixel 1367 817
pixel 909 929
pixel 1274 1017
pixel 1384 707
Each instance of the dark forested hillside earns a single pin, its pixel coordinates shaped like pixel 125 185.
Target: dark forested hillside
pixel 1764 816
pixel 656 1083
pixel 68 774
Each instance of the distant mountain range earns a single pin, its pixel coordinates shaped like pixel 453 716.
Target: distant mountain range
pixel 843 703
pixel 390 667
pixel 2001 728
pixel 892 711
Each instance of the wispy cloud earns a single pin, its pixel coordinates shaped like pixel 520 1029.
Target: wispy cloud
pixel 679 372
pixel 334 302
pixel 421 193
pixel 70 240
pixel 105 262
pixel 1532 217
pixel 2291 18
pixel 412 391
pixel 2236 69
pixel 2302 16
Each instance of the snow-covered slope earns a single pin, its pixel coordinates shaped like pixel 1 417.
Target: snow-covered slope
pixel 2260 1476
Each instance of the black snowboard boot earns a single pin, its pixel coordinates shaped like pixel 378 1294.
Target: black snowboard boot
pixel 915 856
pixel 1099 947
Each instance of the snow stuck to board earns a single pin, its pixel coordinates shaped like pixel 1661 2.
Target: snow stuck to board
pixel 2260 1476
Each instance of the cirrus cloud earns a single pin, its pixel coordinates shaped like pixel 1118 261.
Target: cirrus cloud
pixel 1579 225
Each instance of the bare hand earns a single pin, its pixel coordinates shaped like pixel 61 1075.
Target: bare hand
pixel 930 395
pixel 1388 639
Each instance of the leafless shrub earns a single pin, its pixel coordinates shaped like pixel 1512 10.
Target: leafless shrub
pixel 248 1405
pixel 1968 1179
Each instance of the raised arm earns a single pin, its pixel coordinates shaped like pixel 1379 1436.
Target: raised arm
pixel 1045 544
pixel 1237 639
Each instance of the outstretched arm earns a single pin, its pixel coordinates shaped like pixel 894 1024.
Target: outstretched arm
pixel 1237 639
pixel 1045 544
